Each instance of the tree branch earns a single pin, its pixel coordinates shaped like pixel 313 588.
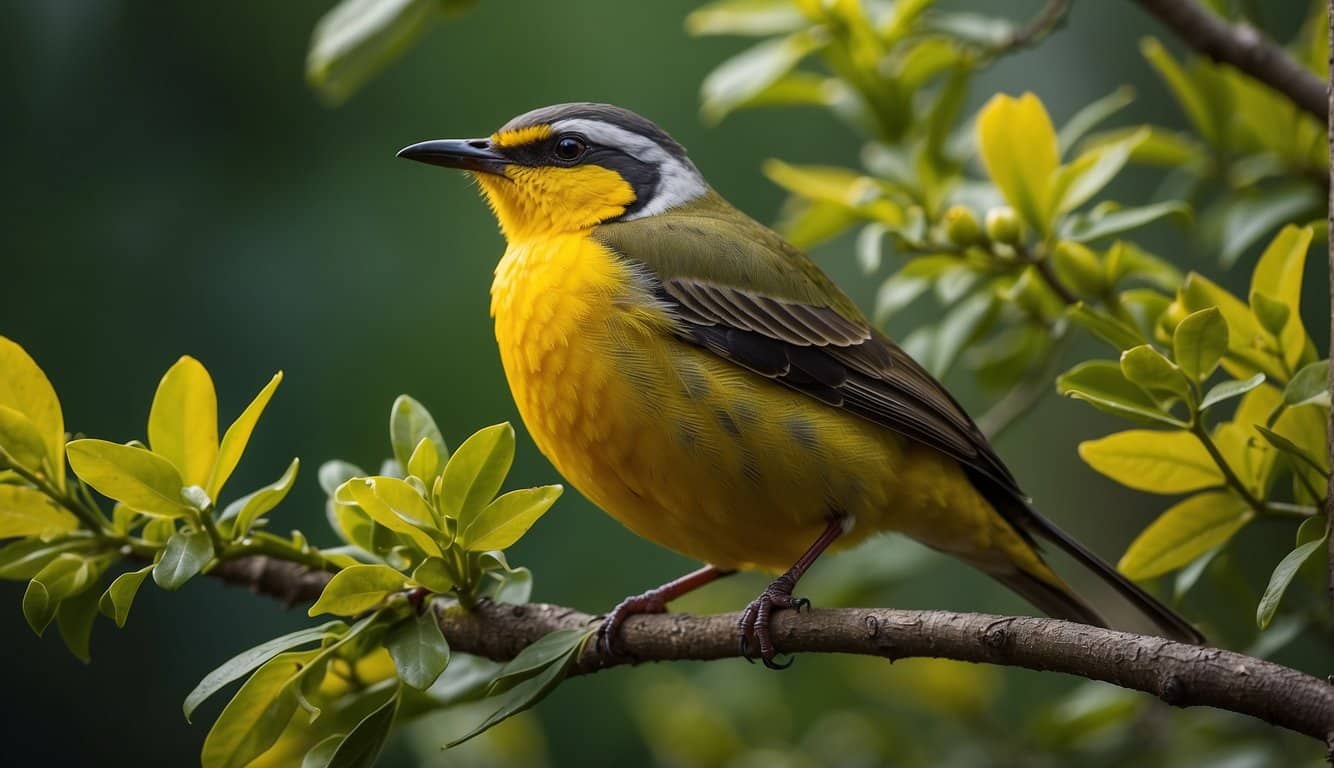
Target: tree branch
pixel 1244 47
pixel 1180 674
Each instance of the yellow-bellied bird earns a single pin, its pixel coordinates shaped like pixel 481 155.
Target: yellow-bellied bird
pixel 704 383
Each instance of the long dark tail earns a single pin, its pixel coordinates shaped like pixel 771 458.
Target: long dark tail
pixel 1066 605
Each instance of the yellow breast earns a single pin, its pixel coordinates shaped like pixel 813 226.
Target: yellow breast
pixel 687 449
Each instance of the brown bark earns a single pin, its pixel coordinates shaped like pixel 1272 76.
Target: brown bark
pixel 1245 48
pixel 1180 674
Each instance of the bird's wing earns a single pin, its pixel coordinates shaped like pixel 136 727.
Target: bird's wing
pixel 741 292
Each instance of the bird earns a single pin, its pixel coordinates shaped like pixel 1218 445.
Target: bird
pixel 702 381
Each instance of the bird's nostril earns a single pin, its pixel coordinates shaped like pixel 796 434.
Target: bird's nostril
pixel 479 144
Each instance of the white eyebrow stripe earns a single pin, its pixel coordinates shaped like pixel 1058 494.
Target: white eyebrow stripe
pixel 679 181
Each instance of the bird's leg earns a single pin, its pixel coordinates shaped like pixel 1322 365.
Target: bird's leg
pixel 778 595
pixel 653 601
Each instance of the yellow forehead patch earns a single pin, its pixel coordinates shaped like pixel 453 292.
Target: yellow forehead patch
pixel 520 136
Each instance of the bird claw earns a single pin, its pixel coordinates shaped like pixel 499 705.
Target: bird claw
pixel 755 621
pixel 608 642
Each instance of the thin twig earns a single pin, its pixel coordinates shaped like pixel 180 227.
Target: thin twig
pixel 1180 674
pixel 1244 47
pixel 1051 16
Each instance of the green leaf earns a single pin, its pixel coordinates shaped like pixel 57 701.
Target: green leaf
pixel 394 505
pixel 1187 577
pixel 334 473
pixel 183 423
pixel 515 587
pixel 142 481
pixel 1101 384
pixel 1282 577
pixel 1104 326
pixel 1292 449
pixel 186 554
pixel 758 18
pixel 21 442
pixel 24 388
pixel 1089 116
pixel 434 574
pixel 409 424
pixel 27 511
pixel 116 601
pixel 537 656
pixel 1309 385
pixel 1247 348
pixel 528 692
pixel 1229 389
pixel 419 649
pixel 241 664
pixel 1193 101
pixel 23 559
pixel 363 744
pixel 1184 532
pixel 61 578
pixel 1153 461
pixel 1199 341
pixel 1155 374
pixel 870 245
pixel 1018 146
pixel 1077 182
pixel 254 719
pixel 741 77
pixel 475 472
pixel 357 589
pixel 508 518
pixel 425 463
pixel 323 752
pixel 238 436
pixel 358 38
pixel 1278 274
pixel 1271 313
pixel 1086 228
pixel 74 619
pixel 243 512
pixel 1241 220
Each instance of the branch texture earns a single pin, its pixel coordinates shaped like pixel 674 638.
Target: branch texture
pixel 1180 674
pixel 1244 47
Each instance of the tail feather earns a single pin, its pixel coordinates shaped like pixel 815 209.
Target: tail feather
pixel 1065 604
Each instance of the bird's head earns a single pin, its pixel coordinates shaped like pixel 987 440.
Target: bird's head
pixel 569 167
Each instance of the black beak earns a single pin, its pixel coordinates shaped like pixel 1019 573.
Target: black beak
pixel 464 154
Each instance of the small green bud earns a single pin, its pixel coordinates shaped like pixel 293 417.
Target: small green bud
pixel 961 227
pixel 1003 226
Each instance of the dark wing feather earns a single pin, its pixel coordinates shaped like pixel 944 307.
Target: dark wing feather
pixel 837 360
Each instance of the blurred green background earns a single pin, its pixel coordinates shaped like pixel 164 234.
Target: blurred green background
pixel 175 188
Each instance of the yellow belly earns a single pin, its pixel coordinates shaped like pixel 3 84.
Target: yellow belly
pixel 691 452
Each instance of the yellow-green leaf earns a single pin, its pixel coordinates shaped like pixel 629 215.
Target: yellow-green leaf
pixel 183 423
pixel 1278 275
pixel 476 471
pixel 1199 341
pixel 142 481
pixel 395 505
pixel 1154 373
pixel 116 601
pixel 1248 352
pixel 1154 461
pixel 65 576
pixel 508 518
pixel 238 435
pixel 1183 533
pixel 1194 103
pixel 424 464
pixel 26 511
pixel 409 424
pixel 1078 181
pixel 243 512
pixel 1018 146
pixel 252 721
pixel 358 589
pixel 23 442
pixel 26 389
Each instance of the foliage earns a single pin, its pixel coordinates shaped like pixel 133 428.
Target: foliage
pixel 426 535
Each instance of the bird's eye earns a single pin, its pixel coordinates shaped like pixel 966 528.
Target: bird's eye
pixel 570 148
